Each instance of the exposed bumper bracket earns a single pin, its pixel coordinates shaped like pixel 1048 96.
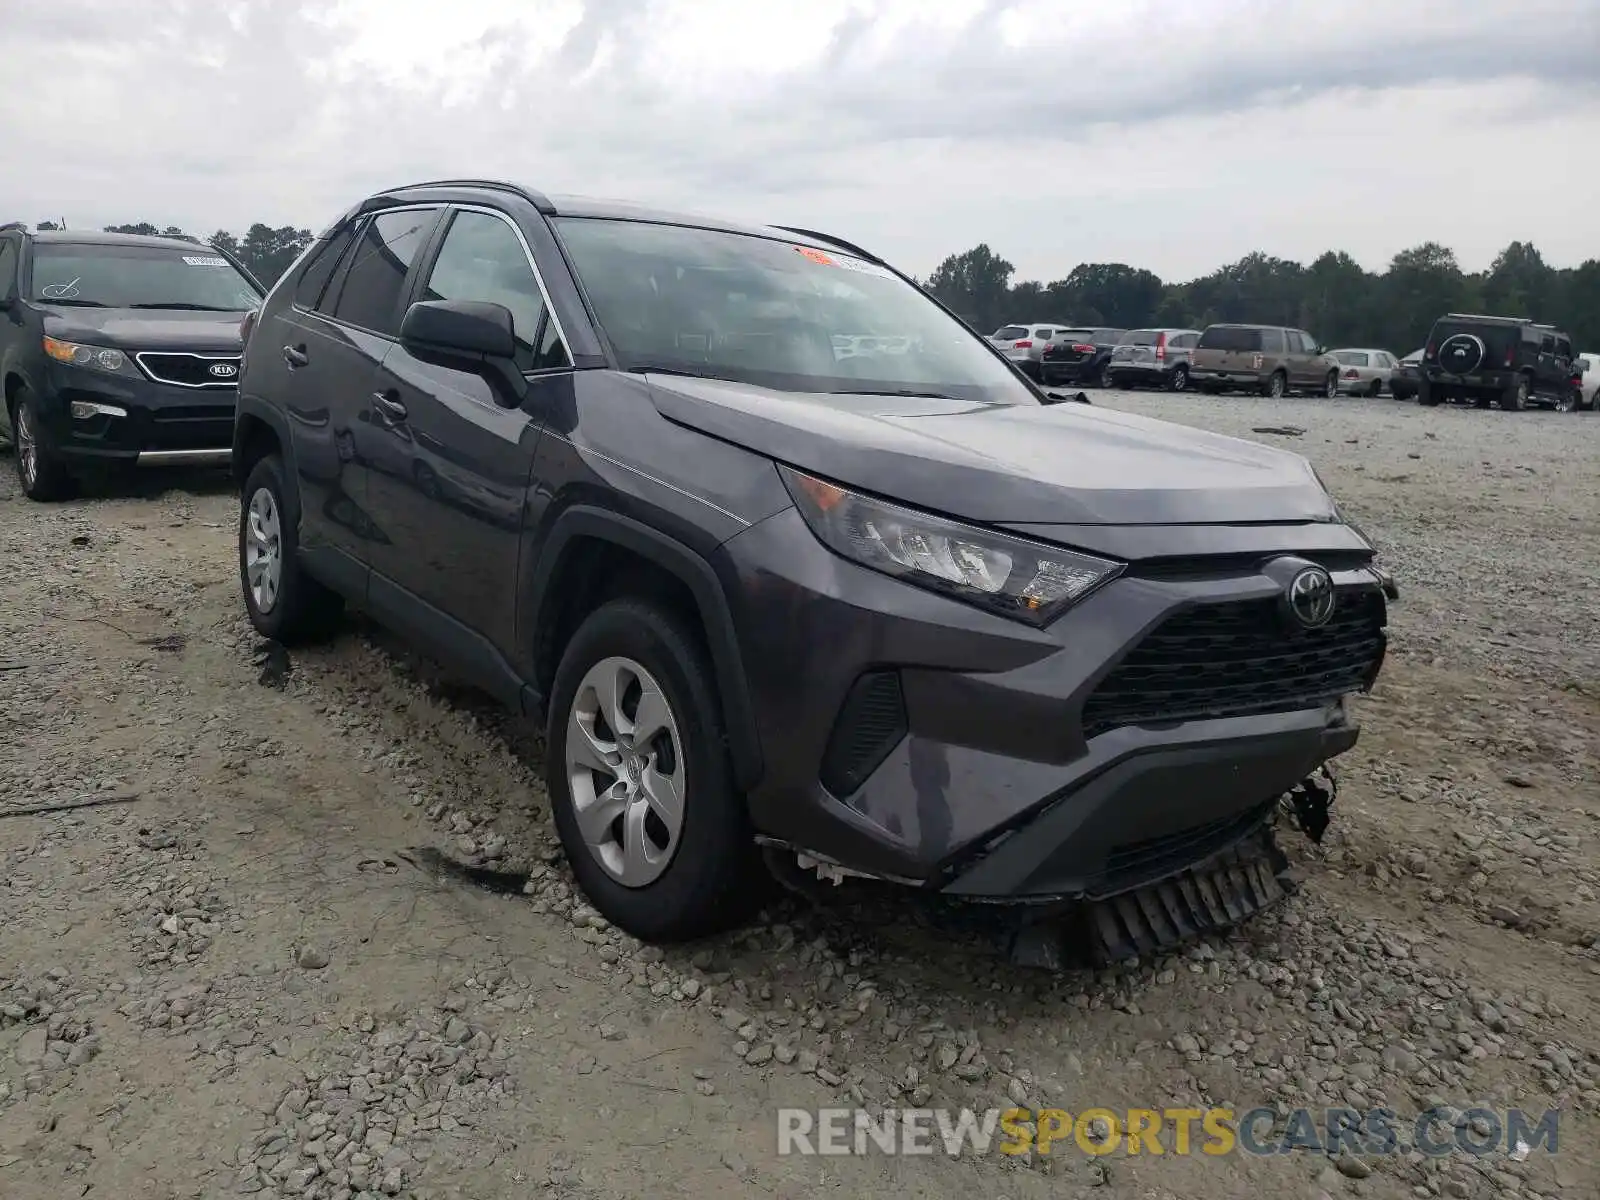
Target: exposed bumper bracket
pixel 1309 801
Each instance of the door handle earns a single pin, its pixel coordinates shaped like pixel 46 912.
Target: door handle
pixel 388 407
pixel 295 356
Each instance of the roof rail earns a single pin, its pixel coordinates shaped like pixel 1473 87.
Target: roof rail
pixel 537 199
pixel 1486 317
pixel 10 225
pixel 837 241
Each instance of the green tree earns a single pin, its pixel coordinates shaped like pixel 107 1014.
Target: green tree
pixel 976 284
pixel 269 252
pixel 1114 293
pixel 1422 283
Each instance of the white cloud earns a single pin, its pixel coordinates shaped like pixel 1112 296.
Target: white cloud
pixel 1170 136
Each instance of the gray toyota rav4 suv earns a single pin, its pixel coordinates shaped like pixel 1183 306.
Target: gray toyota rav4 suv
pixel 869 613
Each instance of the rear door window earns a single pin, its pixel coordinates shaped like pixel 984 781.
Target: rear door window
pixel 8 267
pixel 1230 337
pixel 369 298
pixel 1271 341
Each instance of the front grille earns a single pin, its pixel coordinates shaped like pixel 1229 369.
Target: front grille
pixel 1238 659
pixel 189 370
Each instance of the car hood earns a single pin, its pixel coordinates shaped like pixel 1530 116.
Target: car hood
pixel 135 329
pixel 1007 464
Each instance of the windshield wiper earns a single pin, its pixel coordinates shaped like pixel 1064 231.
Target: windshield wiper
pixel 74 303
pixel 651 370
pixel 178 304
pixel 906 393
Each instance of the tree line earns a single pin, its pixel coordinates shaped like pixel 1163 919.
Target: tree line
pixel 1335 298
pixel 264 251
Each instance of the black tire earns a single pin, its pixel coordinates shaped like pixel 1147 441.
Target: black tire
pixel 1104 378
pixel 1276 387
pixel 1515 397
pixel 302 610
pixel 712 880
pixel 40 471
pixel 1426 396
pixel 1178 381
pixel 1330 386
pixel 1377 388
pixel 1209 389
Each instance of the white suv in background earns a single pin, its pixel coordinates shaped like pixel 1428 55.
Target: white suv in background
pixel 1024 343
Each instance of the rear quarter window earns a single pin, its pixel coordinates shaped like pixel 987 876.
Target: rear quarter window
pixel 1230 337
pixel 320 267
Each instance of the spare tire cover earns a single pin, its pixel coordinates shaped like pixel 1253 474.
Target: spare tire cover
pixel 1462 352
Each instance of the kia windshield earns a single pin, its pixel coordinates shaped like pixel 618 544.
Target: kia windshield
pixel 777 314
pixel 91 275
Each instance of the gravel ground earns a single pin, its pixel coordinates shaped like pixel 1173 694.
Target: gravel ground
pixel 240 972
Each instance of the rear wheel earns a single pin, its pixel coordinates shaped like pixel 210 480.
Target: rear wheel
pixel 1104 378
pixel 1330 386
pixel 1278 385
pixel 39 468
pixel 1515 397
pixel 640 784
pixel 1179 379
pixel 1427 396
pixel 1377 388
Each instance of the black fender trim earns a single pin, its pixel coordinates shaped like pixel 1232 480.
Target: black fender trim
pixel 586 521
pixel 257 409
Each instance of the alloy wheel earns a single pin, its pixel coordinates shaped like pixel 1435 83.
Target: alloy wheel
pixel 625 771
pixel 27 448
pixel 263 550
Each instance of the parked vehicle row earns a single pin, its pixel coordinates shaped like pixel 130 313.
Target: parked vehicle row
pixel 1514 362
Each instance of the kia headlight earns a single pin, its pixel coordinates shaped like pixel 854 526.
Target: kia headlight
pixel 1011 576
pixel 100 358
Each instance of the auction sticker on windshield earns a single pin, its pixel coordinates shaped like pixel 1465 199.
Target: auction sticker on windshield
pixel 858 265
pixel 205 260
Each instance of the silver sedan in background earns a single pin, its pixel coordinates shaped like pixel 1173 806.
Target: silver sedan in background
pixel 1364 372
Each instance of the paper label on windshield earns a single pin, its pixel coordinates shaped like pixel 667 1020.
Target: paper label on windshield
pixel 205 260
pixel 859 265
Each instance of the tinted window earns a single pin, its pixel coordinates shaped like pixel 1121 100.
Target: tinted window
pixel 1011 333
pixel 1547 344
pixel 8 266
pixel 370 294
pixel 1563 347
pixel 113 275
pixel 1230 337
pixel 482 259
pixel 774 313
pixel 320 267
pixel 1271 341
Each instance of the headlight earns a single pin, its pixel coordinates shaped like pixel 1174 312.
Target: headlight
pixel 101 358
pixel 1028 581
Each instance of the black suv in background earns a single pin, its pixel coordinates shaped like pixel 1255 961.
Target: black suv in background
pixel 1484 359
pixel 116 349
pixel 879 612
pixel 1080 356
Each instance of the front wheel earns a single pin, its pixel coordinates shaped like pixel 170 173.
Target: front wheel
pixel 641 788
pixel 284 603
pixel 39 470
pixel 1179 381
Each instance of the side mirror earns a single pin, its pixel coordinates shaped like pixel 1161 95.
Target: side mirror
pixel 459 328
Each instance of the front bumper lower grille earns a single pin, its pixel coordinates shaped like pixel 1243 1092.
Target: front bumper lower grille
pixel 1240 659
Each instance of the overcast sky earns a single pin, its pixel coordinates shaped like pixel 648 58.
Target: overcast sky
pixel 1175 135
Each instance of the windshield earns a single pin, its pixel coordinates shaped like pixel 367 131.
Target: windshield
pixel 775 314
pixel 113 276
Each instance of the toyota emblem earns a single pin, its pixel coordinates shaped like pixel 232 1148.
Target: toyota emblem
pixel 224 370
pixel 1311 597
